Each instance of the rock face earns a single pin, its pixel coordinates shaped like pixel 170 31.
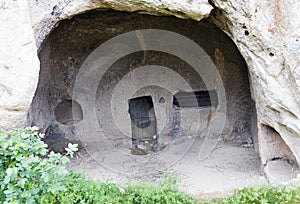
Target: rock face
pixel 45 15
pixel 19 64
pixel 267 33
pixel 161 76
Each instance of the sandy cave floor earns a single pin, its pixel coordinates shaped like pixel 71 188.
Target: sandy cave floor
pixel 216 172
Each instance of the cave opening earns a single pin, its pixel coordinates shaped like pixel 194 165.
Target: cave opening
pixel 149 100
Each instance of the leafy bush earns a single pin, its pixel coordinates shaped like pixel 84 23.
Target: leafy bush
pixel 24 174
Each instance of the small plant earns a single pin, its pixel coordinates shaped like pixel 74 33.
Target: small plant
pixel 24 174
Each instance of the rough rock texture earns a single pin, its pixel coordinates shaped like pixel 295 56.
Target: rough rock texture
pixel 266 32
pixel 280 172
pixel 45 14
pixel 69 45
pixel 19 65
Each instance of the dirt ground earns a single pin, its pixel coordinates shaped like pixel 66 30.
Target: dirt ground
pixel 204 172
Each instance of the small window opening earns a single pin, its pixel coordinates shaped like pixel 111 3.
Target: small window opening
pixel 195 99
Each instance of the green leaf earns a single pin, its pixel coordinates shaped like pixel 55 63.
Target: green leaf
pixel 73 147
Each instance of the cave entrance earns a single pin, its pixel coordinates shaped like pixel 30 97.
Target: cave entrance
pixel 68 46
pixel 146 94
pixel 143 123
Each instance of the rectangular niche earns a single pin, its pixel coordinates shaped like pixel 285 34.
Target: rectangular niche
pixel 195 99
pixel 142 115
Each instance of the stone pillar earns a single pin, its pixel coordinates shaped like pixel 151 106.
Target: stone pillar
pixel 19 64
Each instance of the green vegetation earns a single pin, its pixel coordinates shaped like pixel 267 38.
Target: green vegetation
pixel 29 174
pixel 264 195
pixel 81 190
pixel 25 171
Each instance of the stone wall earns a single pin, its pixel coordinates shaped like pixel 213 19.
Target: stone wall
pixel 156 74
pixel 19 64
pixel 267 35
pixel 265 32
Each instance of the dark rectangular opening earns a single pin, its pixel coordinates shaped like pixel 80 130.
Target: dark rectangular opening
pixel 195 99
pixel 143 124
pixel 142 117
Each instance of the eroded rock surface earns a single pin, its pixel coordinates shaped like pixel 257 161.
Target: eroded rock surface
pixel 267 33
pixel 19 64
pixel 45 15
pixel 155 74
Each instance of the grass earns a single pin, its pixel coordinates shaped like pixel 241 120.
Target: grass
pixel 263 195
pixel 29 175
pixel 81 190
